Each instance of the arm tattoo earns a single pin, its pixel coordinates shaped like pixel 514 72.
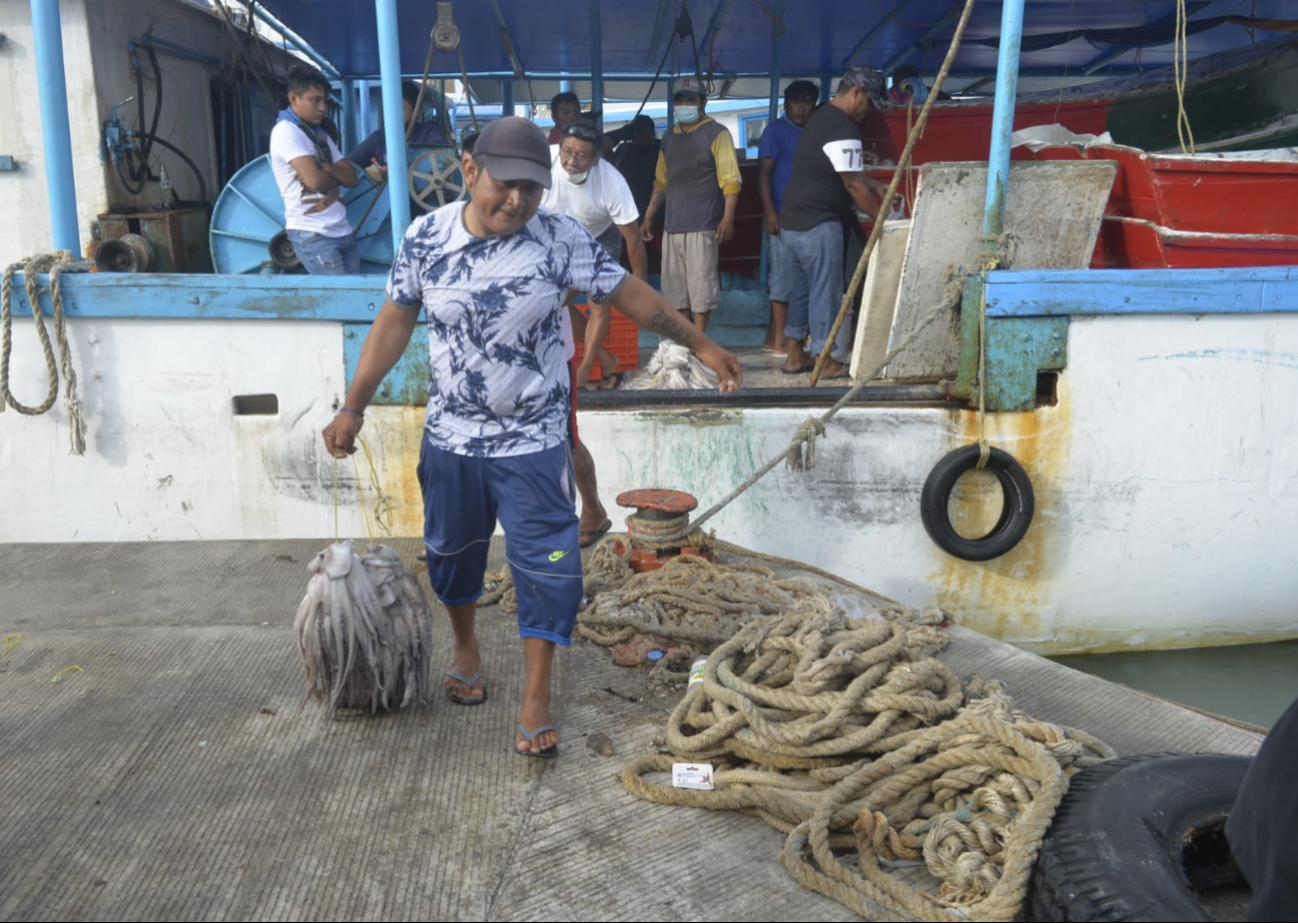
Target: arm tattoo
pixel 665 324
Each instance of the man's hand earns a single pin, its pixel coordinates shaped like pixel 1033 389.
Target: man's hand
pixel 773 223
pixel 340 435
pixel 647 231
pixel 725 230
pixel 730 375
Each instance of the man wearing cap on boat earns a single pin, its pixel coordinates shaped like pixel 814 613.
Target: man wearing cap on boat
pixel 491 275
pixel 698 179
pixel 828 179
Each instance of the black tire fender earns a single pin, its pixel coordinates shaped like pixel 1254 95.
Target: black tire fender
pixel 1016 513
pixel 1119 841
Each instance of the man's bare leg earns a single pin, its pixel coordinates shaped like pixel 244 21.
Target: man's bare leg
pixel 775 338
pixel 701 320
pixel 593 514
pixel 580 328
pixel 468 660
pixel 535 713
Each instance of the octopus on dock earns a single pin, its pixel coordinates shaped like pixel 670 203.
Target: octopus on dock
pixel 365 631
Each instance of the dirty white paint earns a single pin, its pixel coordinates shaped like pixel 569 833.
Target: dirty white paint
pixel 1165 477
pixel 99 75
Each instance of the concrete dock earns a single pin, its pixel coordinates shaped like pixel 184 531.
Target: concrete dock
pixel 176 778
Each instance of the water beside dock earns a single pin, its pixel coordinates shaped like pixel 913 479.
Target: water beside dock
pixel 1248 682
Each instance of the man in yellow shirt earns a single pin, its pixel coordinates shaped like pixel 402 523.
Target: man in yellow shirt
pixel 698 179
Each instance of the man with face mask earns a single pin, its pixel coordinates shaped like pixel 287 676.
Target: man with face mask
pixel 698 179
pixel 491 275
pixel 828 179
pixel 586 187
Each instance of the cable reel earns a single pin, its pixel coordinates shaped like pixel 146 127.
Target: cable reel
pixel 435 178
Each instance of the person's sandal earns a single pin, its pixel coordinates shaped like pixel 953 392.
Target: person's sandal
pixel 466 699
pixel 548 753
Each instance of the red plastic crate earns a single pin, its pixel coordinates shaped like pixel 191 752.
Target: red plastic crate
pixel 622 340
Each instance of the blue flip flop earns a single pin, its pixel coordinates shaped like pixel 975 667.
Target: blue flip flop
pixel 466 699
pixel 548 753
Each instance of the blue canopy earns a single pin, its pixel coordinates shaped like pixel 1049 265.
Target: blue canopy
pixel 544 38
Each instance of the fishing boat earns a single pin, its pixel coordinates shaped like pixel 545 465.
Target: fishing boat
pixel 1148 407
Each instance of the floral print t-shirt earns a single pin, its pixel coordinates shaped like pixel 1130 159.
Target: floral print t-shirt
pixel 498 380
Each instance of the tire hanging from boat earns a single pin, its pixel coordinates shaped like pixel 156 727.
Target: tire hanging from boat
pixel 1016 512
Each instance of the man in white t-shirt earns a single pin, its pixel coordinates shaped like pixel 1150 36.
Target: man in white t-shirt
pixel 586 187
pixel 310 172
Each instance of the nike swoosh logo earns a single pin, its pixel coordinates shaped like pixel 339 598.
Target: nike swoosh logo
pixel 557 555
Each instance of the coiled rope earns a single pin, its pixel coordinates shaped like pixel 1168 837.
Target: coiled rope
pixel 55 264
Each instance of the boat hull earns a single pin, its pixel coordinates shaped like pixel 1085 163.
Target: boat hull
pixel 1164 472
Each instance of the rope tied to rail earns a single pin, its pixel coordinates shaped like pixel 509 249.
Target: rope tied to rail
pixel 849 735
pixel 802 459
pixel 55 264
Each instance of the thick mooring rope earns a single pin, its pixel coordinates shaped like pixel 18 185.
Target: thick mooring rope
pixel 55 264
pixel 848 735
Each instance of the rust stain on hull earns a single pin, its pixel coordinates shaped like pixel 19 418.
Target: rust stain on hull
pixel 1006 597
pixel 395 434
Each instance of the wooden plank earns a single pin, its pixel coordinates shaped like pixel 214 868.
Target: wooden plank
pixel 1053 214
pixel 287 297
pixel 879 298
pixel 1260 290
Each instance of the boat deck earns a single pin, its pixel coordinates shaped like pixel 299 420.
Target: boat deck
pixel 177 779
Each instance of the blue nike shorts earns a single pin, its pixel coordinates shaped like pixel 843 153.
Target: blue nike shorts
pixel 534 498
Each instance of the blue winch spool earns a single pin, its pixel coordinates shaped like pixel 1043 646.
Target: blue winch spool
pixel 247 230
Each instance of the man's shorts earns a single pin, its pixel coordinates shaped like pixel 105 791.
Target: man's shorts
pixel 612 241
pixel 779 268
pixel 690 279
pixel 533 497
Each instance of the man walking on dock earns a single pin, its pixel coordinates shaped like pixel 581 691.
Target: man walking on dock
pixel 491 275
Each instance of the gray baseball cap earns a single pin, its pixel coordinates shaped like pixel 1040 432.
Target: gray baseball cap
pixel 868 79
pixel 512 148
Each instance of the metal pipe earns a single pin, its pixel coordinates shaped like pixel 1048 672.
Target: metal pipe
pixel 363 128
pixel 349 113
pixel 596 58
pixel 1007 86
pixel 777 64
pixel 507 104
pixel 297 41
pixel 56 131
pixel 763 397
pixel 390 66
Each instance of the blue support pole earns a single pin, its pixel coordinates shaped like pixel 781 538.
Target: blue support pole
pixel 671 103
pixel 363 126
pixel 507 104
pixel 826 89
pixel 596 58
pixel 56 133
pixel 777 63
pixel 394 127
pixel 1007 85
pixel 349 114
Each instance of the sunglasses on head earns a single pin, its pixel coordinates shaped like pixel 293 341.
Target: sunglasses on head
pixel 581 133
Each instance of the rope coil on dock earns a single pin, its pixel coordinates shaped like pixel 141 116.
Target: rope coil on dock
pixel 849 735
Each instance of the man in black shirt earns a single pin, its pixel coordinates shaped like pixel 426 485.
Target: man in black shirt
pixel 828 179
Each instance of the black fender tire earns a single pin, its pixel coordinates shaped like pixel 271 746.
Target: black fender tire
pixel 1016 514
pixel 1116 848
